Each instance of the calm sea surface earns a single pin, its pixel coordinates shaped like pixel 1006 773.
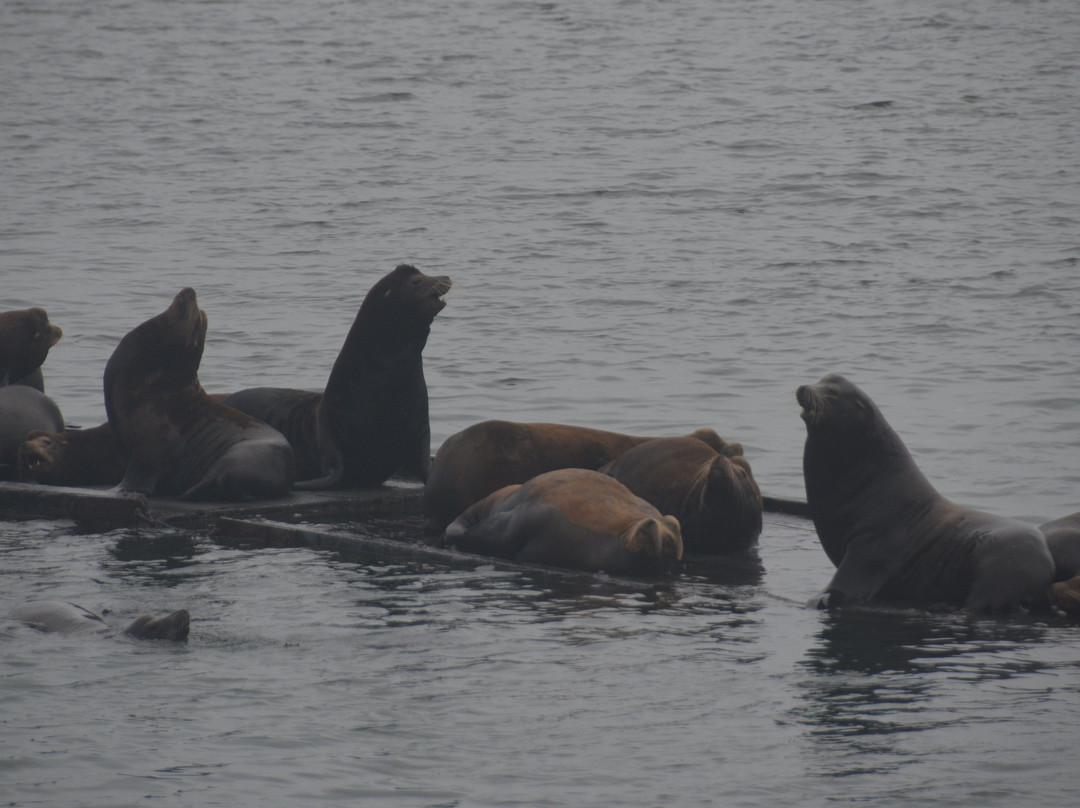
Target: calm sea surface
pixel 657 216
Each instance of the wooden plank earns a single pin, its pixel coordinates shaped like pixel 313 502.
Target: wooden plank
pixel 86 505
pixel 102 509
pixel 792 507
pixel 354 545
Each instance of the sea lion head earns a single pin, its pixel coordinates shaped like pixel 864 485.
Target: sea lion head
pixel 25 339
pixel 725 501
pixel 409 295
pixel 182 330
pixel 654 543
pixel 170 344
pixel 836 408
pixel 38 454
pixel 1065 595
pixel 173 626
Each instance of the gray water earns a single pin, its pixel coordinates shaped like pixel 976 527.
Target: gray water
pixel 657 216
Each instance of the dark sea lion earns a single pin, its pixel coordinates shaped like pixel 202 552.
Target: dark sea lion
pixel 574 518
pixel 1063 539
pixel 79 457
pixel 484 457
pixel 371 421
pixel 714 497
pixel 892 536
pixel 25 339
pixel 67 618
pixel 180 442
pixel 23 409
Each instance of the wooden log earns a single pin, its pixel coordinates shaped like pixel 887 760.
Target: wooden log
pixel 86 505
pixel 792 507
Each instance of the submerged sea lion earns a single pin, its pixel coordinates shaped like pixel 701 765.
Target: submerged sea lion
pixel 23 409
pixel 714 497
pixel 79 457
pixel 572 518
pixel 486 456
pixel 892 536
pixel 371 421
pixel 179 441
pixel 67 618
pixel 25 339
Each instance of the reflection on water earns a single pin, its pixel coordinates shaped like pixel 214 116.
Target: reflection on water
pixel 884 688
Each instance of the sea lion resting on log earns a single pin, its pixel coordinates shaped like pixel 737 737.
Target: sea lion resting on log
pixel 713 495
pixel 78 457
pixel 180 441
pixel 574 518
pixel 486 456
pixel 371 421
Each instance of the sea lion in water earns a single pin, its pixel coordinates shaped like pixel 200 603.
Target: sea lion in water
pixel 1063 539
pixel 23 409
pixel 180 442
pixel 573 518
pixel 79 457
pixel 714 497
pixel 371 421
pixel 67 618
pixel 25 339
pixel 892 536
pixel 486 456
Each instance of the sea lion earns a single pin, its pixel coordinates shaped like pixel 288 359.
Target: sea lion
pixel 714 497
pixel 79 457
pixel 23 409
pixel 573 518
pixel 25 339
pixel 486 456
pixel 371 421
pixel 67 618
pixel 1063 539
pixel 892 536
pixel 180 442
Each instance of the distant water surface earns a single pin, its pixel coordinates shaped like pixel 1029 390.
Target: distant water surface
pixel 657 216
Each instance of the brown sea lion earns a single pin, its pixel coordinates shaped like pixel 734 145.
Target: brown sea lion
pixel 26 336
pixel 67 618
pixel 574 518
pixel 714 497
pixel 179 441
pixel 486 456
pixel 79 457
pixel 371 421
pixel 23 409
pixel 892 536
